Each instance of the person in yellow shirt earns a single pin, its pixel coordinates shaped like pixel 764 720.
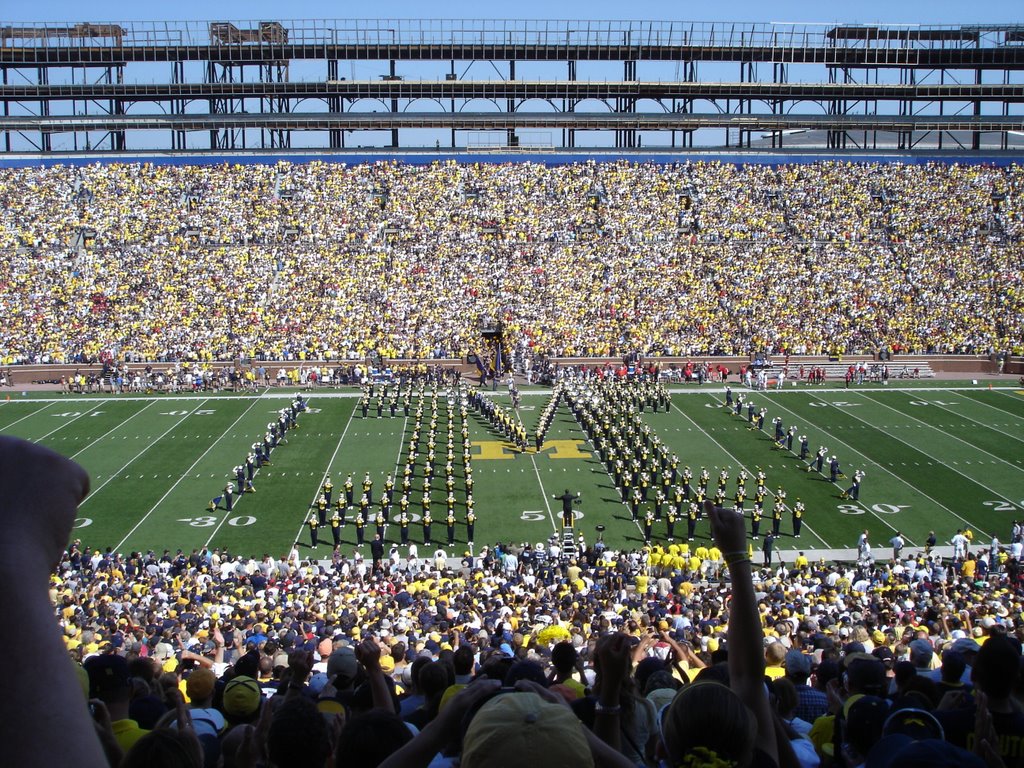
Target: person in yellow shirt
pixel 110 682
pixel 969 567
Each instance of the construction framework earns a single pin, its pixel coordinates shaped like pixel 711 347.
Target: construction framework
pixel 273 85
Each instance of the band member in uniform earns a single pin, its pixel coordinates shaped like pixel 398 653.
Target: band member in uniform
pixel 798 518
pixel 450 523
pixel 348 491
pixel 691 520
pixel 229 489
pixel 833 469
pixel 819 459
pixel 755 520
pixel 470 525
pixel 360 525
pixel 336 528
pixel 321 509
pixel 313 524
pixel 427 522
pixel 780 431
pixel 853 492
pixel 403 526
pixel 568 499
pixel 648 524
pixel 634 504
pixel 670 521
pixel 777 509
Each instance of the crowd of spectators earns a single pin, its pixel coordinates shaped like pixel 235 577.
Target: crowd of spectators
pixel 325 260
pixel 241 635
pixel 606 659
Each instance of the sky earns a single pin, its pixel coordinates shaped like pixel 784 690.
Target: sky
pixel 859 11
pixel 927 12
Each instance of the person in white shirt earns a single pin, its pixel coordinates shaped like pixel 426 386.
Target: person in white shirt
pixel 959 542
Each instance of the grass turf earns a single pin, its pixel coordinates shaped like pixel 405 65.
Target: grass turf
pixel 936 458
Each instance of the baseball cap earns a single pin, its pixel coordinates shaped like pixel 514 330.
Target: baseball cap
pixel 163 651
pixel 317 682
pixel 918 724
pixel 108 673
pixel 965 645
pixel 524 724
pixel 921 648
pixel 342 664
pixel 797 662
pixel 865 721
pixel 883 654
pixel 200 684
pixel 241 696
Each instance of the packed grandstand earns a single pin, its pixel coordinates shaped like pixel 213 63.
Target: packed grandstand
pixel 334 261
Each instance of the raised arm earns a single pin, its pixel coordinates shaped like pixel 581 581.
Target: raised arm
pixel 745 635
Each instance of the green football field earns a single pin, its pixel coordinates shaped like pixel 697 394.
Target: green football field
pixel 936 458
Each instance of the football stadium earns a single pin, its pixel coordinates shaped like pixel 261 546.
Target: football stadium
pixel 667 375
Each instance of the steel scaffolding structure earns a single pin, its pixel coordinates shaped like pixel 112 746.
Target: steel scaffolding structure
pixel 229 85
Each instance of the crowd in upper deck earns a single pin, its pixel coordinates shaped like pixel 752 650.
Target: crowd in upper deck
pixel 215 262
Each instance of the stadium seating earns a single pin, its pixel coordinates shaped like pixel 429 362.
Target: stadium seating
pixel 329 260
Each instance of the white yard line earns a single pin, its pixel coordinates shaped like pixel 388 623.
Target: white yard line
pixel 1010 394
pixel 29 416
pixel 543 493
pixel 133 459
pixel 913 488
pixel 972 446
pixel 66 423
pixel 119 425
pixel 177 482
pixel 742 466
pixel 870 462
pixel 1005 413
pixel 327 471
pixel 979 423
pixel 401 444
